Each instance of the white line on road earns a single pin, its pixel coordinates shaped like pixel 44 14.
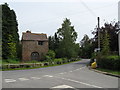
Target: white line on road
pixel 10 80
pixel 23 79
pixel 35 78
pixel 61 73
pixel 63 86
pixel 79 82
pixel 47 76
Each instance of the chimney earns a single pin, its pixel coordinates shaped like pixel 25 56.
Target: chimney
pixel 28 31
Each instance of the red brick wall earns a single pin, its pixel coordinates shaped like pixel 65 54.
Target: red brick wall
pixel 32 46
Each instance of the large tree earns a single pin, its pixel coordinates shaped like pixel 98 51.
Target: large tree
pixel 86 47
pixel 111 29
pixel 67 37
pixel 10 37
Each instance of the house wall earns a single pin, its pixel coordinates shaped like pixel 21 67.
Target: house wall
pixel 32 46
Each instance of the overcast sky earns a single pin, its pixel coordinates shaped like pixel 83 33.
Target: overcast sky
pixel 46 17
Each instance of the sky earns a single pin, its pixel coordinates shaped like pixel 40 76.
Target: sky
pixel 46 16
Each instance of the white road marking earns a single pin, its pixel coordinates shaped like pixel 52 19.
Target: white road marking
pixel 70 71
pixel 10 80
pixel 47 76
pixel 80 82
pixel 61 73
pixel 23 79
pixel 79 68
pixel 63 86
pixel 35 78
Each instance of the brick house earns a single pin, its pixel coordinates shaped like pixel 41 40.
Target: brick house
pixel 34 46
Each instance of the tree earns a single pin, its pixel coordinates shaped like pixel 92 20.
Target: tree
pixel 10 37
pixel 53 42
pixel 111 29
pixel 105 44
pixel 86 48
pixel 67 37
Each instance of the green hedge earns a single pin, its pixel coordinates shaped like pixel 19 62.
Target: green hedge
pixel 109 62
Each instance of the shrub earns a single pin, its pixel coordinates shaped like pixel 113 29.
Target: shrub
pixel 65 60
pixel 12 61
pixel 109 62
pixel 50 56
pixel 58 61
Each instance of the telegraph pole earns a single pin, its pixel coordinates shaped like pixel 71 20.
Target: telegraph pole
pixel 98 33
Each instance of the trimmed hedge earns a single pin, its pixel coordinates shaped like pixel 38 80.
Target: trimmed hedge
pixel 109 62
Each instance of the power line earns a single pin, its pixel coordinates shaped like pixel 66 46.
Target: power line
pixel 84 4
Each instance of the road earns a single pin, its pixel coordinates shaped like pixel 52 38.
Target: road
pixel 73 75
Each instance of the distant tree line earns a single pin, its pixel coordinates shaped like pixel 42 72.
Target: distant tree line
pixel 108 41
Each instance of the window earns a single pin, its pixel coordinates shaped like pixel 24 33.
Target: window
pixel 40 42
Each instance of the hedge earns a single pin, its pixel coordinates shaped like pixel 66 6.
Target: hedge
pixel 109 62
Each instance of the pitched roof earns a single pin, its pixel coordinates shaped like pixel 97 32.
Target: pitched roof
pixel 34 36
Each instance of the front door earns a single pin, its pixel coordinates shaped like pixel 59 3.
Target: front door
pixel 34 56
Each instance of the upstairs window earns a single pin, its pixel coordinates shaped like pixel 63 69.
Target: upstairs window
pixel 40 42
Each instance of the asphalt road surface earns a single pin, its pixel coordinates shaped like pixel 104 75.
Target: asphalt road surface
pixel 73 75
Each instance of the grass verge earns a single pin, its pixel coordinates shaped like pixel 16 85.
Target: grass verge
pixel 109 71
pixel 37 67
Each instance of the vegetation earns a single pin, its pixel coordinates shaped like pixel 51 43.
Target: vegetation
pixel 109 71
pixel 105 44
pixel 64 41
pixel 108 37
pixel 109 62
pixel 10 37
pixel 86 48
pixel 32 65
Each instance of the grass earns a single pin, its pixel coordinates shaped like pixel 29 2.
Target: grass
pixel 38 67
pixel 109 71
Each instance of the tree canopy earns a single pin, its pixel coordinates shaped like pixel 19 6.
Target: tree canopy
pixel 63 42
pixel 10 37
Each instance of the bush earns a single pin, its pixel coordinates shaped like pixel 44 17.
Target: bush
pixel 11 61
pixel 58 61
pixel 50 56
pixel 65 60
pixel 109 62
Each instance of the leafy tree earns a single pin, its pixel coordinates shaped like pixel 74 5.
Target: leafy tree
pixel 111 29
pixel 86 48
pixel 10 37
pixel 12 48
pixel 67 37
pixel 53 42
pixel 105 44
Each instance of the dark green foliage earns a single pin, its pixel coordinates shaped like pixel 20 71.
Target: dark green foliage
pixel 67 37
pixel 50 56
pixel 53 42
pixel 86 48
pixel 105 44
pixel 63 42
pixel 10 37
pixel 109 62
pixel 111 29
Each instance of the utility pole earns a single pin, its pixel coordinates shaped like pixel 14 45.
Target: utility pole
pixel 98 33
